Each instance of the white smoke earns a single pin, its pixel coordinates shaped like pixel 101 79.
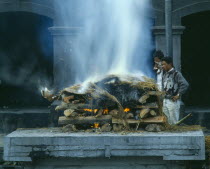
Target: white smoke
pixel 115 38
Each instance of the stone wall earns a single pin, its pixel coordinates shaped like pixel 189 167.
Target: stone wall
pixel 179 10
pixel 106 163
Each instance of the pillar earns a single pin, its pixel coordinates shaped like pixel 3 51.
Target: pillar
pixel 168 30
pixel 160 42
pixel 63 42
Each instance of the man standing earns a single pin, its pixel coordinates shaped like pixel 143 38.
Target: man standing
pixel 158 55
pixel 174 85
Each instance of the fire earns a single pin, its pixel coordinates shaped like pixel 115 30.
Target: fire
pixel 106 111
pixel 96 125
pixel 91 110
pixel 127 110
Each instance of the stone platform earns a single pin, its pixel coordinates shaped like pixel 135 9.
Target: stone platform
pixel 29 144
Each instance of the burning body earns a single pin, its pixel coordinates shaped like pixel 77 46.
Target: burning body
pixel 123 104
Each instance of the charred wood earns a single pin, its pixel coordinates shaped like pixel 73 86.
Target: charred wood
pixel 157 119
pixel 144 113
pixel 70 113
pixel 106 127
pixel 154 128
pixel 85 120
pixel 153 113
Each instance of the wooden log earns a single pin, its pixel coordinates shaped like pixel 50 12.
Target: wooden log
pixel 68 98
pixel 129 115
pixel 154 128
pixel 144 113
pixel 70 113
pixel 99 113
pixel 84 120
pixel 117 127
pixel 146 107
pixel 157 119
pixel 183 119
pixel 69 127
pixel 114 113
pixel 65 106
pixel 153 113
pixel 155 93
pixel 143 99
pixel 106 127
pixel 159 95
pixel 76 101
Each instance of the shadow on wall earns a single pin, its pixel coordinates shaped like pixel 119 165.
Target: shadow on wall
pixel 26 58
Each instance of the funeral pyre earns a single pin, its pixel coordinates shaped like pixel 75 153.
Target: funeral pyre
pixel 114 103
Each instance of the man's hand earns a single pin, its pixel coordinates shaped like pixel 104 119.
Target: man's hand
pixel 175 98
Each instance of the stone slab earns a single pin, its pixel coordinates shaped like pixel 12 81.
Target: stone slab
pixel 26 145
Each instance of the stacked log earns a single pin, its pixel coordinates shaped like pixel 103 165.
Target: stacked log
pixel 112 104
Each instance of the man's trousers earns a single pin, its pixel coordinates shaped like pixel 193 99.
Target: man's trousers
pixel 171 110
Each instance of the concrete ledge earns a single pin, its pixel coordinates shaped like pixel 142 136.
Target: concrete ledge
pixel 26 145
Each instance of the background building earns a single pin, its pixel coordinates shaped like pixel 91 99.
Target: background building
pixel 30 31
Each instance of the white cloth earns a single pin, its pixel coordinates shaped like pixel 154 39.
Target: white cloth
pixel 159 80
pixel 171 110
pixel 171 69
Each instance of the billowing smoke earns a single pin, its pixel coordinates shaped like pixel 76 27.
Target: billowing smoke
pixel 115 37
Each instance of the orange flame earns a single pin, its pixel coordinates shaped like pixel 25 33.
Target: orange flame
pixel 127 110
pixel 91 110
pixel 96 125
pixel 106 111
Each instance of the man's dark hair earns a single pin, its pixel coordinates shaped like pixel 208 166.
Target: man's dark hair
pixel 168 60
pixel 159 54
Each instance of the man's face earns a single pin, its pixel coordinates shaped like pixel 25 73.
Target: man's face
pixel 166 67
pixel 156 59
pixel 157 64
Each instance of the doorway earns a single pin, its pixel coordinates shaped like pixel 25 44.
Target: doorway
pixel 196 58
pixel 26 59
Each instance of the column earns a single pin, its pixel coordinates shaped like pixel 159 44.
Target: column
pixel 160 42
pixel 168 30
pixel 177 33
pixel 64 40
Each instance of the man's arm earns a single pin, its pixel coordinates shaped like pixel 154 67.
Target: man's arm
pixel 182 84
